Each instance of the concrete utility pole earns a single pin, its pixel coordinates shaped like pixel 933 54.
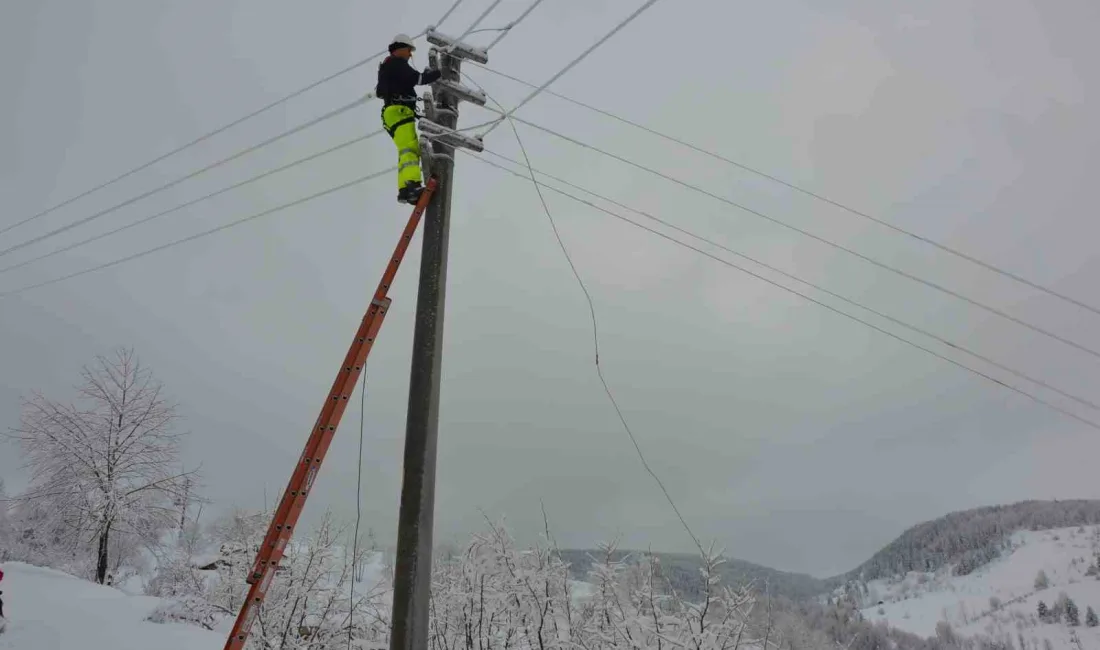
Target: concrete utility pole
pixel 412 576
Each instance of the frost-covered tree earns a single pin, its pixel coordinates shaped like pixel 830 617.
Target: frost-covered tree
pixel 1041 580
pixel 104 470
pixel 630 609
pixel 1090 617
pixel 309 603
pixel 494 594
pixel 1073 617
pixel 237 536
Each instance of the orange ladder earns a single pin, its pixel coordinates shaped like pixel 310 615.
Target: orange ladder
pixel 305 472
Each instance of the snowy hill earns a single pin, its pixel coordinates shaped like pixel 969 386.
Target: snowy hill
pixel 1000 599
pixel 49 610
pixel 969 538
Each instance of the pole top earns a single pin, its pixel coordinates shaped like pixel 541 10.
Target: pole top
pixel 458 49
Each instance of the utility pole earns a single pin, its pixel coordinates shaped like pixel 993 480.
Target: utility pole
pixel 413 567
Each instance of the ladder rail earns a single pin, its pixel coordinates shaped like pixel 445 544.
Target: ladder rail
pixel 305 472
pixel 337 397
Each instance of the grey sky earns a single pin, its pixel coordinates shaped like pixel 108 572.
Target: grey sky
pixel 793 436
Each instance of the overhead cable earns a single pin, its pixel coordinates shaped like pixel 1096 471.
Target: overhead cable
pixel 507 28
pixel 596 336
pixel 192 202
pixel 479 19
pixel 177 242
pixel 583 55
pixel 877 328
pixel 807 192
pixel 221 129
pixel 884 316
pixel 183 178
pixel 866 258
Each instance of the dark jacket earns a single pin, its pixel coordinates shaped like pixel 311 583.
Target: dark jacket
pixel 397 81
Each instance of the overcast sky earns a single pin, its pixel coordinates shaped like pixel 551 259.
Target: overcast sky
pixel 793 436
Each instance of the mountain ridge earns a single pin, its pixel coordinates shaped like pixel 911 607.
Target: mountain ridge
pixel 967 539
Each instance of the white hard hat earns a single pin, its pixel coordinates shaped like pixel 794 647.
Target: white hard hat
pixel 402 40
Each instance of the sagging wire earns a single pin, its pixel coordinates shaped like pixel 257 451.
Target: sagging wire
pixel 595 326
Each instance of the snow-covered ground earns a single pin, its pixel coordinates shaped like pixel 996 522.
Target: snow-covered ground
pixel 49 610
pixel 917 602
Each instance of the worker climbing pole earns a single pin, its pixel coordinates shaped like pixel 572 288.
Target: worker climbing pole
pixel 396 87
pixel 435 153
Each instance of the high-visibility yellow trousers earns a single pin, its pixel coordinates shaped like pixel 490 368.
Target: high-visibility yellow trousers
pixel 406 141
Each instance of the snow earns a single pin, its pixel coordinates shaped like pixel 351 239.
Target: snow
pixel 917 602
pixel 50 610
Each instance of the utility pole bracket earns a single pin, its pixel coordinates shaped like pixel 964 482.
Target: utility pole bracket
pixel 427 153
pixel 460 92
pixel 429 106
pixel 457 48
pixel 451 137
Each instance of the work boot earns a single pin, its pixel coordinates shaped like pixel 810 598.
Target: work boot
pixel 410 193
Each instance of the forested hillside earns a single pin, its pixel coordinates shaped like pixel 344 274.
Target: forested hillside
pixel 968 539
pixel 971 538
pixel 682 572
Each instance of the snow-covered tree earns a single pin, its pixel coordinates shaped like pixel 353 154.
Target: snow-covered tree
pixel 309 603
pixel 630 608
pixel 237 536
pixel 495 595
pixel 1090 617
pixel 1073 617
pixel 107 467
pixel 1041 580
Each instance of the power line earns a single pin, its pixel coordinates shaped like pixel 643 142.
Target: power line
pixel 447 15
pixel 183 178
pixel 220 228
pixel 220 129
pixel 802 190
pixel 509 26
pixel 483 16
pixel 871 260
pixel 204 198
pixel 222 162
pixel 472 29
pixel 711 242
pixel 595 334
pixel 192 202
pixel 204 233
pixel 583 55
pixel 836 310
